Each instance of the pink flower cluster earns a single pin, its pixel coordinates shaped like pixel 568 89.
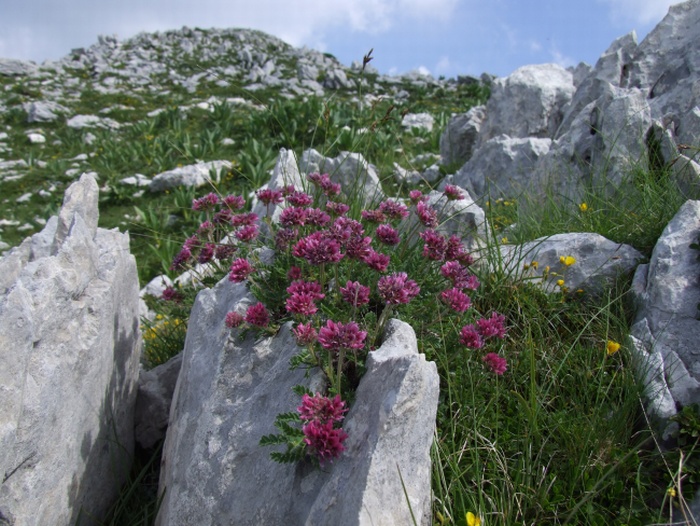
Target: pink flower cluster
pixel 397 288
pixel 355 294
pixel 303 296
pixel 336 336
pixel 322 416
pixel 324 182
pixel 475 335
pixel 318 248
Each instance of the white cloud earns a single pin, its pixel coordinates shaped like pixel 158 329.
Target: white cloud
pixel 639 11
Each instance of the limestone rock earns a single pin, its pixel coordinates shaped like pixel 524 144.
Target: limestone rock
pixel 91 121
pixel 422 121
pixel 69 357
pixel 195 175
pixel 461 134
pixel 43 111
pixel 666 331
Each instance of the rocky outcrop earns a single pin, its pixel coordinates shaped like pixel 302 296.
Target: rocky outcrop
pixel 462 131
pixel 228 394
pixel 195 175
pixel 69 356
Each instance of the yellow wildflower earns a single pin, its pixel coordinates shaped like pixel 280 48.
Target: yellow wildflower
pixel 560 282
pixel 567 260
pixel 583 207
pixel 671 492
pixel 534 265
pixel 504 240
pixel 473 520
pixel 612 347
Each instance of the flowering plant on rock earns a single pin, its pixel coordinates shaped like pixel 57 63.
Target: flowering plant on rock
pixel 340 277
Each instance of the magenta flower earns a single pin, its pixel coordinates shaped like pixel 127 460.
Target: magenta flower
pixel 233 319
pixel 471 283
pixel 306 287
pixel 324 181
pixel 493 326
pixel 358 247
pixel 240 270
pixel 208 202
pixel 223 252
pixel 416 196
pixel 397 288
pixel 373 216
pixel 388 235
pixel 171 294
pixel 192 243
pixel 337 209
pixel 322 409
pixel 336 336
pixel 299 199
pixel 460 277
pixel 345 228
pixel 317 217
pixel 427 215
pixel 207 253
pixel 285 237
pixel 496 363
pixel 324 441
pixel 470 337
pixel 455 251
pixel 246 219
pixel 302 303
pixel 269 197
pixel 435 245
pixel 294 273
pixel 355 293
pixel 205 228
pixel 456 299
pixel 394 209
pixel 234 202
pixel 452 192
pixel 181 259
pixel 377 261
pixel 293 216
pixel 257 315
pixel 305 334
pixel 318 248
pixel 247 233
pixel 223 216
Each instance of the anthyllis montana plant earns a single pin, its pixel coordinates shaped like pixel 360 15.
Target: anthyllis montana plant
pixel 344 278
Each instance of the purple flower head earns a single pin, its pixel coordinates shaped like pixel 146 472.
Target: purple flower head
pixel 246 219
pixel 302 303
pixel 240 270
pixel 416 196
pixel 456 299
pixel 305 334
pixel 355 293
pixel 344 228
pixel 207 253
pixel 373 216
pixel 234 202
pixel 394 209
pixel 358 247
pixel 377 261
pixel 306 287
pixel 324 181
pixel 455 251
pixel 205 228
pixel 317 217
pixel 497 364
pixel 206 203
pixel 285 237
pixel 493 326
pixel 233 319
pixel 293 216
pixel 470 337
pixel 299 199
pixel 257 315
pixel 324 441
pixel 181 259
pixel 294 273
pixel 388 235
pixel 453 192
pixel 336 336
pixel 397 288
pixel 460 277
pixel 427 215
pixel 322 409
pixel 171 294
pixel 288 190
pixel 337 209
pixel 318 248
pixel 223 252
pixel 435 245
pixel 223 216
pixel 192 243
pixel 247 233
pixel 269 197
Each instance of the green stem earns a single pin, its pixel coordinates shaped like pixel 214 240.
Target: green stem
pixel 339 374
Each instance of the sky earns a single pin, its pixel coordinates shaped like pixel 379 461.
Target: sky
pixel 441 37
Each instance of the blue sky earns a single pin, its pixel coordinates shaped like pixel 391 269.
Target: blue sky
pixel 442 37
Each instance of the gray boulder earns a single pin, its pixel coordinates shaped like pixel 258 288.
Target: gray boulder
pixel 461 134
pixel 503 167
pixel 69 356
pixel 227 397
pixel 10 67
pixel 528 103
pixel 43 111
pixel 195 175
pixel 665 333
pixel 91 121
pixel 421 121
pixel 598 262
